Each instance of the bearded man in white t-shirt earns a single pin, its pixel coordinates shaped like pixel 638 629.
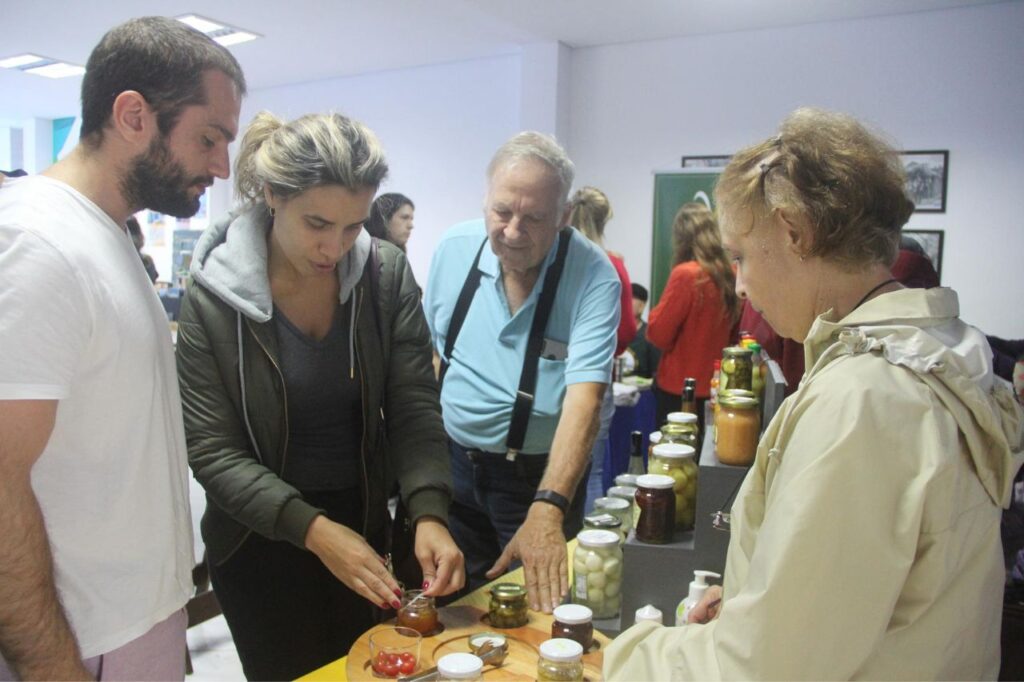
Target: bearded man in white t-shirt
pixel 95 529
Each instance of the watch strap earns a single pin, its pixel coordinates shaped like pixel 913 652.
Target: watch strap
pixel 553 498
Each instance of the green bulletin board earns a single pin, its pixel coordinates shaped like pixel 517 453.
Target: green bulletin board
pixel 672 190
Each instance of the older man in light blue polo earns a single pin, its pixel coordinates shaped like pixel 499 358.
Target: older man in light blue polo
pixel 523 311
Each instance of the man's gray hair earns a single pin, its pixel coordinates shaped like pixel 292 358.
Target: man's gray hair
pixel 534 145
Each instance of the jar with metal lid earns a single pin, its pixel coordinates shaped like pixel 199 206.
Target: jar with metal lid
pixel 418 612
pixel 508 606
pixel 575 622
pixel 619 507
pixel 657 502
pixel 737 369
pixel 679 462
pixel 597 572
pixel 680 427
pixel 561 660
pixel 602 521
pixel 737 428
pixel 459 666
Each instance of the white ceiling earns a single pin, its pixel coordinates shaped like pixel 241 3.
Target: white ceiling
pixel 310 40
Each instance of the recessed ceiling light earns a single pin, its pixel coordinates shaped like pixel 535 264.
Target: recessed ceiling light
pixel 200 23
pixel 235 37
pixel 20 60
pixel 222 33
pixel 56 70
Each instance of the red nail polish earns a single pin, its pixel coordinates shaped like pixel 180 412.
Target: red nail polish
pixel 396 604
pixel 426 584
pixel 385 607
pixel 398 592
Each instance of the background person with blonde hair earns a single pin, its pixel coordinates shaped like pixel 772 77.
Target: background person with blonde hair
pixel 697 312
pixel 865 538
pixel 295 340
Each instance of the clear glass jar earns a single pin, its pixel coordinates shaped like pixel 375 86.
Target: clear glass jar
pixel 508 606
pixel 679 462
pixel 619 507
pixel 738 428
pixel 418 612
pixel 575 622
pixel 602 521
pixel 680 427
pixel 597 572
pixel 737 369
pixel 657 502
pixel 459 666
pixel 561 660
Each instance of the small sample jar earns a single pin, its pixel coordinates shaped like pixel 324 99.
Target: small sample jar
pixel 626 480
pixel 680 462
pixel 619 507
pixel 737 428
pixel 418 612
pixel 597 572
pixel 561 660
pixel 657 502
pixel 602 521
pixel 508 606
pixel 681 427
pixel 459 667
pixel 737 369
pixel 575 622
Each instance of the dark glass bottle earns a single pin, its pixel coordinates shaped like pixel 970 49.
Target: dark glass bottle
pixel 636 455
pixel 689 396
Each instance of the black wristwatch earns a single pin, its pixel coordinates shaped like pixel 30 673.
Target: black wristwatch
pixel 551 497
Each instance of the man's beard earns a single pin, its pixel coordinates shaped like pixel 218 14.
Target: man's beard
pixel 157 181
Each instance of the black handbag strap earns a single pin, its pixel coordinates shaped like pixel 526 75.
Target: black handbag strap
pixel 465 299
pixel 528 377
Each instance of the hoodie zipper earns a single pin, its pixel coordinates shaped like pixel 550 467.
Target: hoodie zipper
pixel 362 388
pixel 284 394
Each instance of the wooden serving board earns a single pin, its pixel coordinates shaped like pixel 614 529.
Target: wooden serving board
pixel 460 622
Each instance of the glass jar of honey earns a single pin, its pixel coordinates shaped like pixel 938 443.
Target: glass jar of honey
pixel 418 612
pixel 737 428
pixel 508 606
pixel 657 502
pixel 575 622
pixel 680 462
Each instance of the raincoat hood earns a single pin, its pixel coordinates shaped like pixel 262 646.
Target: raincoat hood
pixel 230 260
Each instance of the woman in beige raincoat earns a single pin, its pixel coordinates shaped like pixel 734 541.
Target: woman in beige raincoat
pixel 865 539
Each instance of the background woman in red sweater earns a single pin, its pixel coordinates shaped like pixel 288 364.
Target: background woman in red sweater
pixel 698 310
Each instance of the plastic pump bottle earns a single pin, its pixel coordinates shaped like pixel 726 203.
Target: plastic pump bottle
pixel 697 589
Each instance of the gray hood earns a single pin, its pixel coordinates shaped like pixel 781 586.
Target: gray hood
pixel 230 260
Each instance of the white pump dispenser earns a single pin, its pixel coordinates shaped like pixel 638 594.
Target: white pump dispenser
pixel 697 589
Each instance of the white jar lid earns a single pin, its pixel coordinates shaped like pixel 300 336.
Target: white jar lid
pixel 673 451
pixel 682 418
pixel 656 481
pixel 600 538
pixel 626 492
pixel 626 480
pixel 619 503
pixel 561 649
pixel 460 666
pixel 655 437
pixel 573 614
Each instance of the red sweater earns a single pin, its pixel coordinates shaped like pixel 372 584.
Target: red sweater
pixel 627 324
pixel 691 326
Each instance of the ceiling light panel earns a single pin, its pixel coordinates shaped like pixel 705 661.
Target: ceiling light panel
pixel 20 60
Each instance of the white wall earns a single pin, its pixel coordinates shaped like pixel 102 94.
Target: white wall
pixel 951 79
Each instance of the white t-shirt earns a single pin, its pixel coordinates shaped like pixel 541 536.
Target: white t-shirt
pixel 80 323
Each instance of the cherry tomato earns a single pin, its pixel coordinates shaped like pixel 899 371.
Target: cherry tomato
pixel 391 669
pixel 406 656
pixel 407 665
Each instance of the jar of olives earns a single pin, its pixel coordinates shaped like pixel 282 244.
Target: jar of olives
pixel 618 507
pixel 681 427
pixel 561 660
pixel 508 606
pixel 597 572
pixel 737 368
pixel 575 622
pixel 602 521
pixel 657 502
pixel 737 429
pixel 679 462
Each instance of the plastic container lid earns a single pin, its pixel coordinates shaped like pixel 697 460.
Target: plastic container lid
pixel 619 503
pixel 625 492
pixel 600 538
pixel 626 479
pixel 655 437
pixel 682 418
pixel 656 481
pixel 673 451
pixel 573 614
pixel 561 649
pixel 497 640
pixel 648 613
pixel 460 666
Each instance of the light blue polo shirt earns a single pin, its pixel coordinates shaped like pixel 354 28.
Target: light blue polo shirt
pixel 480 386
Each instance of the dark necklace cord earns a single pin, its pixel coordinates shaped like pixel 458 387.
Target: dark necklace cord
pixel 873 290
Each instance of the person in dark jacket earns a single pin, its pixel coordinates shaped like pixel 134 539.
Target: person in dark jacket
pixel 298 337
pixel 391 217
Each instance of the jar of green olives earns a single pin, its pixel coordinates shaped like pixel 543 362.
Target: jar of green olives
pixel 508 606
pixel 597 572
pixel 679 462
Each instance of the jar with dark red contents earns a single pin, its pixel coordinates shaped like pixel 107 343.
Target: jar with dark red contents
pixel 575 622
pixel 656 501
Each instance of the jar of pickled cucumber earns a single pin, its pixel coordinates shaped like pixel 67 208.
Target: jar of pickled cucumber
pixel 737 369
pixel 618 507
pixel 597 572
pixel 601 521
pixel 508 606
pixel 681 427
pixel 679 462
pixel 561 660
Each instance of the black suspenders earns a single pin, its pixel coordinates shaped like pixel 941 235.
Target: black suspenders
pixel 528 376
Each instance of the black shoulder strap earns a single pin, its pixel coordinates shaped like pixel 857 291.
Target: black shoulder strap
pixel 465 299
pixel 528 377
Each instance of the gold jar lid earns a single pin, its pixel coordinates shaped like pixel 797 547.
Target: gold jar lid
pixel 508 592
pixel 737 352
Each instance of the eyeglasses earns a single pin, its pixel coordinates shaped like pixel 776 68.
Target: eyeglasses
pixel 722 519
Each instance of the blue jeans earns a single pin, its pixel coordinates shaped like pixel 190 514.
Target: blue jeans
pixel 492 496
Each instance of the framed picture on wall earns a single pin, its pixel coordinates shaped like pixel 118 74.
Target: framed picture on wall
pixel 706 161
pixel 930 242
pixel 927 176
